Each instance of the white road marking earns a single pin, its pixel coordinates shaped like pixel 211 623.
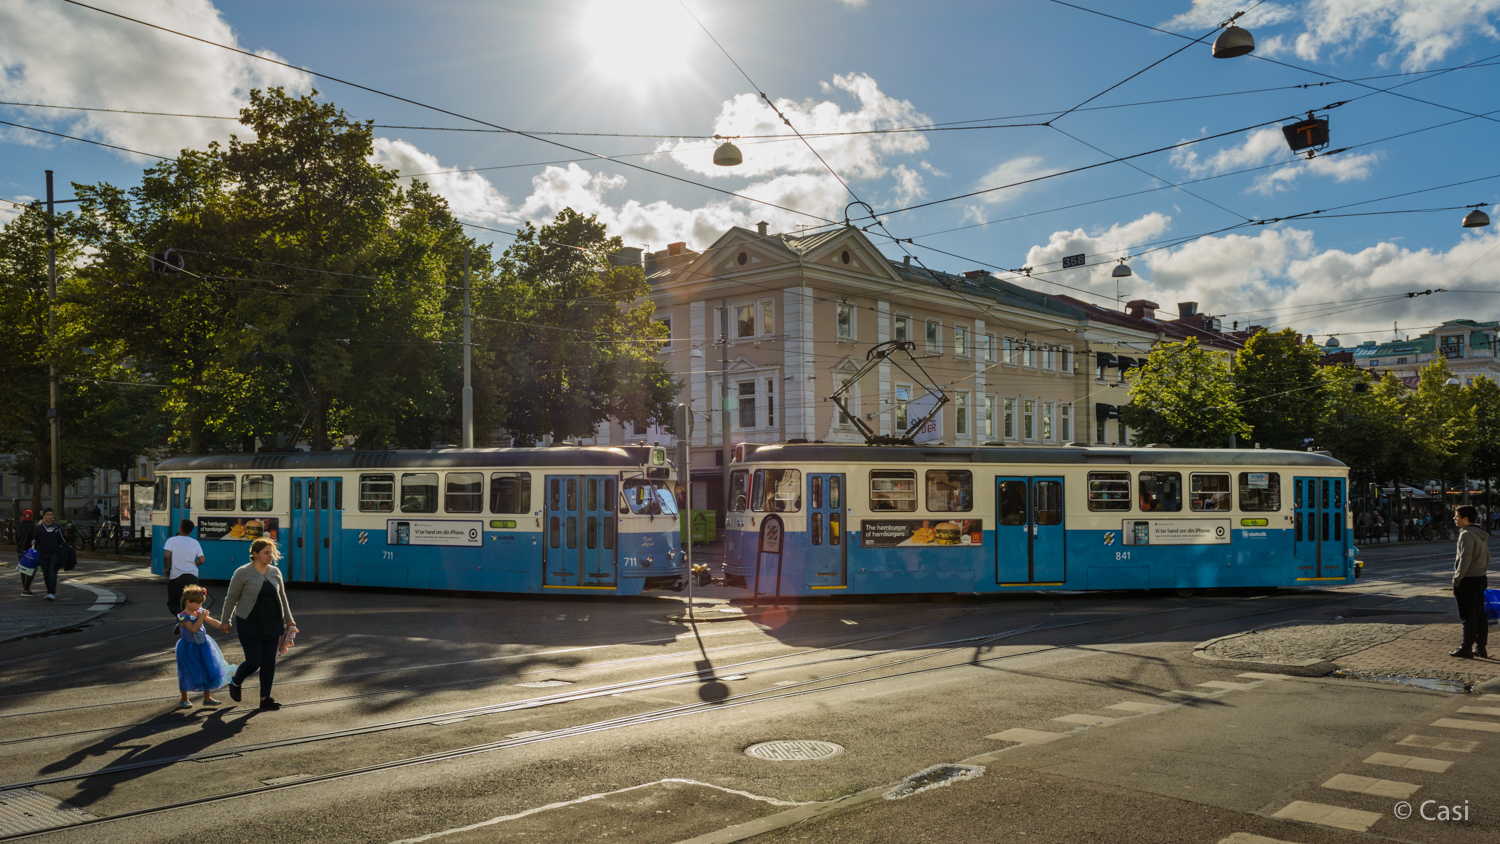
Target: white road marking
pixel 1455 745
pixel 1416 763
pixel 1086 720
pixel 1370 785
pixel 1334 816
pixel 1134 706
pixel 1023 735
pixel 1461 724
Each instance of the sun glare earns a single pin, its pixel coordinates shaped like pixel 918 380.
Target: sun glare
pixel 639 43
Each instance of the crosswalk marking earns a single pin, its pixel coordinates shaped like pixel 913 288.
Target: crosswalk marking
pixel 1479 710
pixel 1461 724
pixel 1022 734
pixel 1085 720
pixel 1455 745
pixel 1334 816
pixel 1416 763
pixel 1179 694
pixel 1224 684
pixel 1135 706
pixel 1259 675
pixel 1370 785
pixel 1247 838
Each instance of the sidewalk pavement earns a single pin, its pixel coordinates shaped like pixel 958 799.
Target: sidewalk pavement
pixel 78 602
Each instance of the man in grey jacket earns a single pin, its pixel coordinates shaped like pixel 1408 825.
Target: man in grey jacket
pixel 1470 569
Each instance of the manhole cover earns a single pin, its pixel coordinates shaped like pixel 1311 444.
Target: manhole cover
pixel 796 750
pixel 24 809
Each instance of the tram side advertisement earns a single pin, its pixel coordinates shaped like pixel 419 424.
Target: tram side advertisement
pixel 212 529
pixel 899 533
pixel 413 532
pixel 1177 531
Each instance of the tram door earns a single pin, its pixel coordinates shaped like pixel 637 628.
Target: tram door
pixel 1318 529
pixel 827 554
pixel 581 530
pixel 317 529
pixel 1029 531
pixel 182 505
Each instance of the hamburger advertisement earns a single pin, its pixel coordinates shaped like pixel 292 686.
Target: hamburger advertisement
pixel 235 529
pixel 902 533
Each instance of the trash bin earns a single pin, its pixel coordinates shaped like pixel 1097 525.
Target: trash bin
pixel 703 526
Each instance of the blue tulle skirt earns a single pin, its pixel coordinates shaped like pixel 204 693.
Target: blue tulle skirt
pixel 201 666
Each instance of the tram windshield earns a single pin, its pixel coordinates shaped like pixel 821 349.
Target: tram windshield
pixel 649 498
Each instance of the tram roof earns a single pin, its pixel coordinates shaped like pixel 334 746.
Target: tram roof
pixel 1070 455
pixel 441 458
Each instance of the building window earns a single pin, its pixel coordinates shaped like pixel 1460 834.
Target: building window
pixel 1046 421
pixel 767 318
pixel 1009 418
pixel 1099 432
pixel 901 328
pixel 665 342
pixel 903 407
pixel 1028 355
pixel 1029 420
pixel 747 404
pixel 255 494
pixel 1067 360
pixel 845 321
pixel 960 341
pixel 989 417
pixel 961 414
pixel 934 337
pixel 1374 363
pixel 1011 356
pixel 377 493
pixel 218 492
pixel 989 348
pixel 744 322
pixel 1049 358
pixel 1400 361
pixel 1065 422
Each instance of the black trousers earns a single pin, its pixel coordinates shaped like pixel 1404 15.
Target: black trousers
pixel 1470 595
pixel 174 591
pixel 260 655
pixel 47 562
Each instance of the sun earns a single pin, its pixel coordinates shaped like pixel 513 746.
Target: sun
pixel 639 43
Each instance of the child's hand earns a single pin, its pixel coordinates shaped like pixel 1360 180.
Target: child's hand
pixel 224 627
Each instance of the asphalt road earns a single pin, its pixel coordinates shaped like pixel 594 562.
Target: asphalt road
pixel 461 718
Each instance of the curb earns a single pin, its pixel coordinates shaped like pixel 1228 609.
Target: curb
pixel 1313 668
pixel 105 600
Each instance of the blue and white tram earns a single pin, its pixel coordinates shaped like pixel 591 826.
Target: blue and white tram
pixel 811 519
pixel 557 519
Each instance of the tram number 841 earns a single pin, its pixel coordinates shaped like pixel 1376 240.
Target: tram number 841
pixel 1122 555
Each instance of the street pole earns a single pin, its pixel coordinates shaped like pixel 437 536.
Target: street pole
pixel 52 419
pixel 682 424
pixel 724 398
pixel 468 383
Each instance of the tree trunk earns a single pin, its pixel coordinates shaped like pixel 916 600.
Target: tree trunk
pixel 40 473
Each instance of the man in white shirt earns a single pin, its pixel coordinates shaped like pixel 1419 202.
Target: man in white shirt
pixel 182 557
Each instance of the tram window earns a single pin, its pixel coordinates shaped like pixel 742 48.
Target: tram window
pixel 1326 485
pixel 833 492
pixel 419 492
pixel 255 493
pixel 159 494
pixel 1297 495
pixel 571 485
pixel 815 528
pixel 1109 490
pixel 609 494
pixel 510 492
pixel 893 490
pixel 376 493
pixel 218 492
pixel 1013 503
pixel 553 537
pixel 777 491
pixel 1047 502
pixel 572 532
pixel 1298 519
pixel 609 533
pixel 1260 492
pixel 591 533
pixel 1161 492
pixel 556 495
pixel 593 494
pixel 815 490
pixel 463 492
pixel 1209 492
pixel 950 491
pixel 739 495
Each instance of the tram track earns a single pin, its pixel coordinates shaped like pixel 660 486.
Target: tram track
pixel 813 686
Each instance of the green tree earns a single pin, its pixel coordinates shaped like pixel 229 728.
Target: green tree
pixel 1184 397
pixel 1442 423
pixel 1366 426
pixel 587 349
pixel 1281 388
pixel 1484 396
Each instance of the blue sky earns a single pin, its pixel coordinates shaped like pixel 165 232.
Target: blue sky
pixel 645 67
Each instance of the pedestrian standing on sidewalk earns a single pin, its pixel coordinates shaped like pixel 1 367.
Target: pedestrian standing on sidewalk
pixel 182 555
pixel 1470 578
pixel 23 544
pixel 48 542
pixel 257 602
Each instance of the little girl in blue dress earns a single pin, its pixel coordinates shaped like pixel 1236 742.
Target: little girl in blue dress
pixel 200 663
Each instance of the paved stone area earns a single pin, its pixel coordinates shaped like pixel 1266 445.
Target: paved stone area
pixel 1303 644
pixel 78 602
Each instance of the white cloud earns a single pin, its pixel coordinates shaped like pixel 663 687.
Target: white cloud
pixel 62 55
pixel 471 196
pixel 909 186
pixel 1114 241
pixel 1262 146
pixel 9 212
pixel 1419 32
pixel 1010 172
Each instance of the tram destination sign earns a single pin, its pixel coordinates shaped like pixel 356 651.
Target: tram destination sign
pixel 905 533
pixel 414 532
pixel 1177 531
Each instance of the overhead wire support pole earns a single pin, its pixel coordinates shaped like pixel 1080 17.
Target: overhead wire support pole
pixel 52 411
pixel 724 446
pixel 468 395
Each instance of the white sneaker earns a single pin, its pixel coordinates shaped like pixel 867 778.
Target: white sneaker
pixel 51 597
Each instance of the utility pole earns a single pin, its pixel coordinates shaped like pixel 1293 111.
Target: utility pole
pixel 468 383
pixel 724 397
pixel 52 419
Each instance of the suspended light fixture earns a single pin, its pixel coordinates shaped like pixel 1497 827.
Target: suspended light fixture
pixel 1233 41
pixel 1476 218
pixel 1122 271
pixel 727 155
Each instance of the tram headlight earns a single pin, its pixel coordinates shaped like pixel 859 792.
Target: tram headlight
pixel 647 561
